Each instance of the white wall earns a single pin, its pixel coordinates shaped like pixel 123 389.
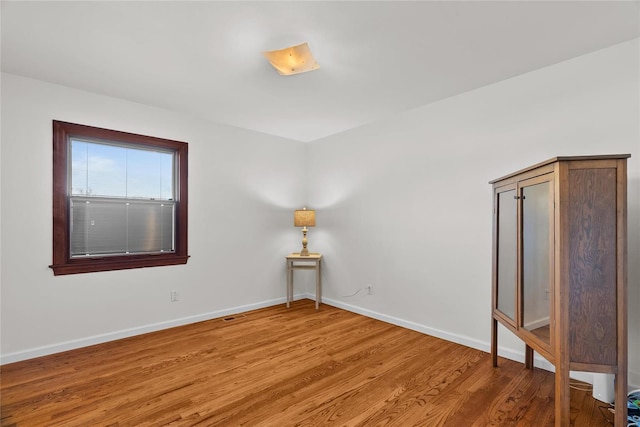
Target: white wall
pixel 404 204
pixel 243 187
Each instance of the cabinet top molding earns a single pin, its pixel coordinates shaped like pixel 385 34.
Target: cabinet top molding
pixel 563 159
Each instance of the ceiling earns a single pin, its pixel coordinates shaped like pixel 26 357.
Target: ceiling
pixel 377 58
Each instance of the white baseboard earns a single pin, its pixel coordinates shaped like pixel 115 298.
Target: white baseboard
pixel 634 377
pixel 126 333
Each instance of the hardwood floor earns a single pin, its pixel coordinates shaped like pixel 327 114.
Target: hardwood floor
pixel 282 367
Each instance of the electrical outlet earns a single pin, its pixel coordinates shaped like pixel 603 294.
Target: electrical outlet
pixel 174 296
pixel 369 289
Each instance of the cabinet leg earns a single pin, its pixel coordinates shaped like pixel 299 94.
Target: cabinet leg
pixel 562 398
pixel 494 342
pixel 528 357
pixel 621 400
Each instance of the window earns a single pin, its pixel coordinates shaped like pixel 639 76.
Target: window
pixel 119 200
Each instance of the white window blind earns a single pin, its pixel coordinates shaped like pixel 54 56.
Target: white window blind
pixel 121 199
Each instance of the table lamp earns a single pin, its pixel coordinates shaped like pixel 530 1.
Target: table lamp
pixel 304 218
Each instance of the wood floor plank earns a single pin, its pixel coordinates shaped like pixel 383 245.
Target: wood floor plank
pixel 282 367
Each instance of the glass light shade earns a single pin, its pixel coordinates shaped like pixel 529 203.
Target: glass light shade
pixel 292 60
pixel 304 218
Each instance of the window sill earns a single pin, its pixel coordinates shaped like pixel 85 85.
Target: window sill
pixel 92 265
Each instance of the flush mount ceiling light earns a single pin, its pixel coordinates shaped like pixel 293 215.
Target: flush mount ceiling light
pixel 292 60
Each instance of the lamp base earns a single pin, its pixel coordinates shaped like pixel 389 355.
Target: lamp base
pixel 304 251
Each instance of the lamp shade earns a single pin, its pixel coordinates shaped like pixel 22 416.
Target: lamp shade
pixel 292 60
pixel 304 218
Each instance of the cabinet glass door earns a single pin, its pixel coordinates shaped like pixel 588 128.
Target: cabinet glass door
pixel 507 210
pixel 536 258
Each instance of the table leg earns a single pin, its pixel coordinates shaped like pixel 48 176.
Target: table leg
pixel 318 285
pixel 289 282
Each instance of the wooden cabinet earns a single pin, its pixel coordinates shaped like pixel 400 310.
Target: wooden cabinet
pixel 559 268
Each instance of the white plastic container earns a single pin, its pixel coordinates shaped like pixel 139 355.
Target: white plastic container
pixel 603 387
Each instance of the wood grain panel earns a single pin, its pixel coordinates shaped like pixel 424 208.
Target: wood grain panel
pixel 281 367
pixel 592 264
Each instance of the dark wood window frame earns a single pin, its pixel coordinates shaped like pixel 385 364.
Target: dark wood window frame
pixel 63 263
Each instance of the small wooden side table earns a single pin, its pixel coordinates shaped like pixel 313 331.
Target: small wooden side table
pixel 295 261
